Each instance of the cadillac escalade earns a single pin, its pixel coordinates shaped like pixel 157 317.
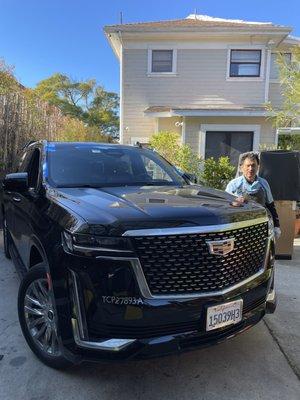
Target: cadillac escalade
pixel 122 257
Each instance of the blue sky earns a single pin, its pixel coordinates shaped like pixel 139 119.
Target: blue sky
pixel 41 37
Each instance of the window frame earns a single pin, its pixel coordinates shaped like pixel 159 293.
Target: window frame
pixel 248 63
pixel 150 73
pixel 246 78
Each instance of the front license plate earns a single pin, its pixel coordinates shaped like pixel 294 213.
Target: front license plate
pixel 224 314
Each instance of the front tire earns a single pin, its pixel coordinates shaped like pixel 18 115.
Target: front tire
pixel 37 317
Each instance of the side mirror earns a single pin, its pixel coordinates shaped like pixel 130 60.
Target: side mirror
pixel 190 177
pixel 17 182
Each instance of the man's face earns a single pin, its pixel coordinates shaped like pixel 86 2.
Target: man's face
pixel 249 169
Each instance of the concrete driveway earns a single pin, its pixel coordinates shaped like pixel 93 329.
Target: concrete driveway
pixel 263 363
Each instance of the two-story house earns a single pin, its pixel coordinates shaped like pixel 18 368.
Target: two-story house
pixel 206 78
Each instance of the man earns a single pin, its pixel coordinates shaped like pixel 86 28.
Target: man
pixel 250 186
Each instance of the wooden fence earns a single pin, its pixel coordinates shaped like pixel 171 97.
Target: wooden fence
pixel 21 120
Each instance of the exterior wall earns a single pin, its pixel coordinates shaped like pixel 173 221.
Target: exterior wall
pixel 200 80
pixel 192 132
pixel 168 124
pixel 275 94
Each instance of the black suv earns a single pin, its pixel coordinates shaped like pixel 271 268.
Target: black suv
pixel 122 257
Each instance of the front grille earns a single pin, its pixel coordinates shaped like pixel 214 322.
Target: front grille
pixel 182 264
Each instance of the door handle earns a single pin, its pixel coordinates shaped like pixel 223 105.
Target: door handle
pixel 16 199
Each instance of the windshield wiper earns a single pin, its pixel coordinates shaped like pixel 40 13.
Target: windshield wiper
pixel 80 186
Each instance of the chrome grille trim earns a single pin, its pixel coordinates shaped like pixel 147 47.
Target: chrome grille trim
pixel 195 229
pixel 145 291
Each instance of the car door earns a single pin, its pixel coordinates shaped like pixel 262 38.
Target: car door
pixel 23 205
pixel 10 198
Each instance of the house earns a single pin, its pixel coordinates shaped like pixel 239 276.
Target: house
pixel 206 78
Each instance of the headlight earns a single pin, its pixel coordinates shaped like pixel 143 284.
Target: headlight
pixel 82 243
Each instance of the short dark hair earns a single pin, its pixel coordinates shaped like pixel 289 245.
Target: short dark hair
pixel 251 155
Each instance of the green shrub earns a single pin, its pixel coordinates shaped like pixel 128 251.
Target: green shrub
pixel 217 173
pixel 209 172
pixel 181 155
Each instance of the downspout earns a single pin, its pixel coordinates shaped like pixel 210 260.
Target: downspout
pixel 183 133
pixel 268 69
pixel 121 123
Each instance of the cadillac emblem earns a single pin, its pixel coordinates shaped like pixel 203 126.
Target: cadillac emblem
pixel 220 247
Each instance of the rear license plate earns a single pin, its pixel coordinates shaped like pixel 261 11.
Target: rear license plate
pixel 224 314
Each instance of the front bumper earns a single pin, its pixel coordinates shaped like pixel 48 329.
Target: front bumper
pixel 92 329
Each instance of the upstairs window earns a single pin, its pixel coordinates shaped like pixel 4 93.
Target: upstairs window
pixel 245 63
pixel 274 70
pixel 162 61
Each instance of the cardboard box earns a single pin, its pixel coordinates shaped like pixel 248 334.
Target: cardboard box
pixel 285 244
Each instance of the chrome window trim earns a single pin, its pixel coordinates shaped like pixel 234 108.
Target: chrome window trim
pixel 195 229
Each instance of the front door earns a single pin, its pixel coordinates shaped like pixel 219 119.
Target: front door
pixel 228 143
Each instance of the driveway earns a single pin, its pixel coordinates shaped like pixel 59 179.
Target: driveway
pixel 263 363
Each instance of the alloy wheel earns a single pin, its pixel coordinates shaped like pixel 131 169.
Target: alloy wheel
pixel 40 317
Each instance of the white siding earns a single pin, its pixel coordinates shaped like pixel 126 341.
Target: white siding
pixel 275 95
pixel 200 80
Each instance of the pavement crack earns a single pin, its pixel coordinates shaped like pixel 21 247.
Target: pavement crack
pixel 289 361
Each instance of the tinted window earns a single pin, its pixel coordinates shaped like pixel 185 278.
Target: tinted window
pixel 230 144
pixel 33 169
pixel 98 165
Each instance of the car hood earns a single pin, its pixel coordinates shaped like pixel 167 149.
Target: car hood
pixel 114 210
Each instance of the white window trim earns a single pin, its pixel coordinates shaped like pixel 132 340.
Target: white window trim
pixel 228 128
pixel 246 79
pixel 174 61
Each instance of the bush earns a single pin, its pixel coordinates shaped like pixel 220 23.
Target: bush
pixel 181 155
pixel 217 173
pixel 209 172
pixel 289 142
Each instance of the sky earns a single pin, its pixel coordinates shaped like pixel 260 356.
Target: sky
pixel 42 37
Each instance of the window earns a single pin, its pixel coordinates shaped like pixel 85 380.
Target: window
pixel 245 63
pixel 230 144
pixel 155 171
pixel 162 61
pixel 75 165
pixel 33 169
pixel 274 70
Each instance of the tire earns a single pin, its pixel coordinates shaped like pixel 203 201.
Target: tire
pixel 6 239
pixel 37 317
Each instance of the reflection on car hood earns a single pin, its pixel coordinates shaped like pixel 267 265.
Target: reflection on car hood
pixel 113 210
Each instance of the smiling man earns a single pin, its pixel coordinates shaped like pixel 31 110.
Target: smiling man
pixel 250 186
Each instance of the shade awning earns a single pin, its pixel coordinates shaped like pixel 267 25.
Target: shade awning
pixel 206 111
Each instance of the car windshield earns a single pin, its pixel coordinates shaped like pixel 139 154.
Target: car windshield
pixel 98 165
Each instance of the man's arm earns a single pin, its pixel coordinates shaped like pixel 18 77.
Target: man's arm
pixel 271 207
pixel 270 204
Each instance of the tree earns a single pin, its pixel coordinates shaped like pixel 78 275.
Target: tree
pixel 73 130
pixel 289 76
pixel 84 100
pixel 8 82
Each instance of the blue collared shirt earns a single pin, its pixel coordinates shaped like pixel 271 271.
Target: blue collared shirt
pixel 239 186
